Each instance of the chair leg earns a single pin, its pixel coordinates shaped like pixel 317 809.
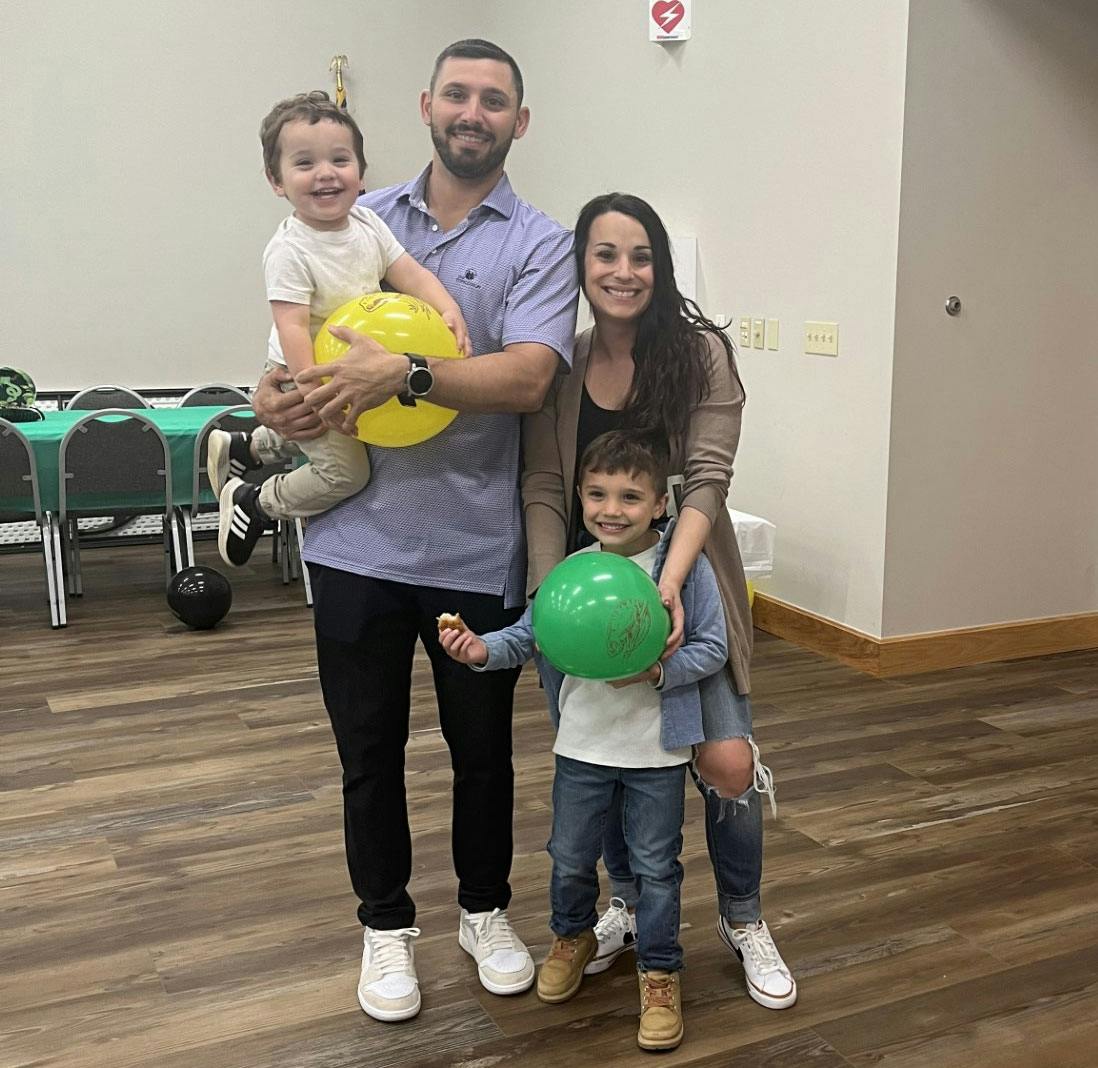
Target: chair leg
pixel 167 548
pixel 188 535
pixel 76 577
pixel 304 566
pixel 59 572
pixel 66 558
pixel 293 546
pixel 45 530
pixel 178 563
pixel 282 536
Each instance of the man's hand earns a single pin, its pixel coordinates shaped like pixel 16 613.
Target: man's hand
pixel 464 646
pixel 366 375
pixel 285 413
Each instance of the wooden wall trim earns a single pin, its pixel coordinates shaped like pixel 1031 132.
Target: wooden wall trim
pixel 913 653
pixel 817 633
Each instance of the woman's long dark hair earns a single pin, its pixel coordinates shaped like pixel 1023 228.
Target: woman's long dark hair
pixel 670 377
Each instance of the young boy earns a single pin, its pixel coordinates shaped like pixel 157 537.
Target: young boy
pixel 635 734
pixel 327 252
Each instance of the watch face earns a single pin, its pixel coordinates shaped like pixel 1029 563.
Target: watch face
pixel 420 381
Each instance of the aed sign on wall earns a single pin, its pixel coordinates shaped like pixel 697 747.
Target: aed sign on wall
pixel 669 20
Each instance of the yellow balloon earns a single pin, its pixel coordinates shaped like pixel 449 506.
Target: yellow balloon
pixel 402 324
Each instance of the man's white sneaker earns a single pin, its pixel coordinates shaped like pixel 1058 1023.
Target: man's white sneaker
pixel 503 963
pixel 769 981
pixel 616 932
pixel 388 988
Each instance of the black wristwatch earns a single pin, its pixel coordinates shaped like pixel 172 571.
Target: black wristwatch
pixel 418 382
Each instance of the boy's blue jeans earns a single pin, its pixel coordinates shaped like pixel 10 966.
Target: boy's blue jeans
pixel 650 815
pixel 733 826
pixel 734 834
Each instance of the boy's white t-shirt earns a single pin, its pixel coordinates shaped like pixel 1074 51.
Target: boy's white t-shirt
pixel 326 268
pixel 617 728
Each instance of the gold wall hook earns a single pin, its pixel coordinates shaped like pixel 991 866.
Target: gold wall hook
pixel 337 65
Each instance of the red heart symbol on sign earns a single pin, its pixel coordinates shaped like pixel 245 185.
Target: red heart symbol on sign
pixel 667 14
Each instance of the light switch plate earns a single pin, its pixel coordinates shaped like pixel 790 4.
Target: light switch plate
pixel 821 339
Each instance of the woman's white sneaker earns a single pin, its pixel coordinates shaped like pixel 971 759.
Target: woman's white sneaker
pixel 388 987
pixel 616 932
pixel 504 964
pixel 769 980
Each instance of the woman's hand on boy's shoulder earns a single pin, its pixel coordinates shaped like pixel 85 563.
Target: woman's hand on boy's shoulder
pixel 671 595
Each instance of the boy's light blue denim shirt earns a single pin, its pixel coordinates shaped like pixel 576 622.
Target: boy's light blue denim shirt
pixel 704 652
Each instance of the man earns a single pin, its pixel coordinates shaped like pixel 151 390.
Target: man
pixel 439 527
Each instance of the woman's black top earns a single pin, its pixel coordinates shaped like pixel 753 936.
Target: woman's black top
pixel 593 421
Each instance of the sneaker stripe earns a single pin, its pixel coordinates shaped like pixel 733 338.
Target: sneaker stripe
pixel 241 522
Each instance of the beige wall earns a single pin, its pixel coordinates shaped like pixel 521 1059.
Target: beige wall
pixel 993 500
pixel 937 474
pixel 133 166
pixel 774 135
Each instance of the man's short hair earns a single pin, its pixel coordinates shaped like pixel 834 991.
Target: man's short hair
pixel 312 108
pixel 635 452
pixel 475 48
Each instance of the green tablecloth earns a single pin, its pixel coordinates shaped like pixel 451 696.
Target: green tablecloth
pixel 179 425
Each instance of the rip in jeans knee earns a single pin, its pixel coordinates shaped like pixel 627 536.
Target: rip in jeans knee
pixel 762 783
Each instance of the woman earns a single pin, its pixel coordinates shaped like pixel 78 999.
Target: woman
pixel 653 360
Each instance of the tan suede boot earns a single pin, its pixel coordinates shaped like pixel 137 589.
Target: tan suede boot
pixel 562 972
pixel 661 1010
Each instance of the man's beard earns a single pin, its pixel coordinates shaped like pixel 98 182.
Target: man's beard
pixel 468 167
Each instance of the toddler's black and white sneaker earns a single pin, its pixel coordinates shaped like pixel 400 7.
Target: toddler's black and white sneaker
pixel 228 456
pixel 242 522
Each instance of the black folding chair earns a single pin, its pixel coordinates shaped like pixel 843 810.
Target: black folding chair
pixel 19 483
pixel 238 418
pixel 110 454
pixel 215 393
pixel 97 398
pixel 289 534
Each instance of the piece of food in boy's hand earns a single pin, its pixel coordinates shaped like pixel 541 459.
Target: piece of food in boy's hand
pixel 450 621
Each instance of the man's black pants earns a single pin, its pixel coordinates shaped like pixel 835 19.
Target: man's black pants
pixel 366 632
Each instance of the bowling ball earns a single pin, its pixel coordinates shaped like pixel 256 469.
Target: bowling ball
pixel 200 596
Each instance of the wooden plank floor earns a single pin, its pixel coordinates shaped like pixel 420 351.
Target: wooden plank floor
pixel 173 890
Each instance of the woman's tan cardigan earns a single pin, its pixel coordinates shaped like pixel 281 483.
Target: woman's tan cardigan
pixel 704 458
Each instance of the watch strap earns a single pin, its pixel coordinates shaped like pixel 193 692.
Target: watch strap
pixel 415 362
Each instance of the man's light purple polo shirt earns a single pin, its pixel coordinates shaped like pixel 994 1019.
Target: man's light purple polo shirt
pixel 447 513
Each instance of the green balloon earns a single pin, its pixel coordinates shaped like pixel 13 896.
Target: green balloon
pixel 598 615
